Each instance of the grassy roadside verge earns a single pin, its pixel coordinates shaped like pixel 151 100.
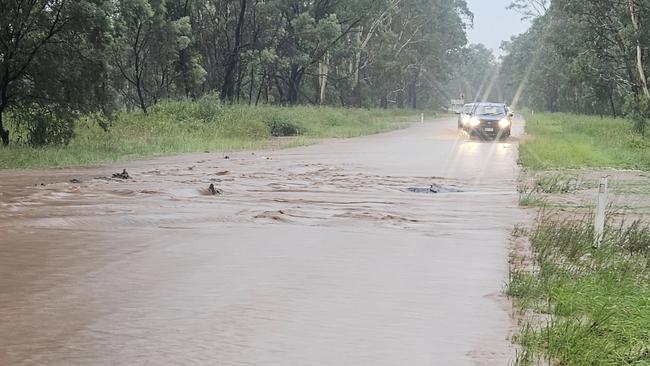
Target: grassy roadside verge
pixel 584 306
pixel 579 305
pixel 205 125
pixel 570 141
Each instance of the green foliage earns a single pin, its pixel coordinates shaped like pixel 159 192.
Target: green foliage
pixel 150 53
pixel 282 127
pixel 54 59
pixel 40 125
pixel 571 141
pixel 476 67
pixel 91 56
pixel 580 57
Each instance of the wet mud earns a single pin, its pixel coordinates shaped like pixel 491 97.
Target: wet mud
pixel 320 255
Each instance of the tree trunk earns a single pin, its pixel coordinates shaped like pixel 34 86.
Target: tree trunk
pixel 4 100
pixel 280 92
pixel 612 105
pixel 413 94
pixel 323 71
pixel 295 80
pixel 400 97
pixel 357 80
pixel 639 52
pixel 251 86
pixel 413 90
pixel 4 134
pixel 138 88
pixel 228 88
pixel 262 85
pixel 316 83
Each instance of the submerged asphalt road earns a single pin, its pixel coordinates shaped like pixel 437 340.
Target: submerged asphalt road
pixel 312 256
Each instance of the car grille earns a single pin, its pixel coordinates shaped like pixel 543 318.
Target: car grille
pixel 490 123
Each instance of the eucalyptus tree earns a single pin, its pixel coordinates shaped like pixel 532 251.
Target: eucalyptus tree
pixel 52 64
pixel 586 56
pixel 146 52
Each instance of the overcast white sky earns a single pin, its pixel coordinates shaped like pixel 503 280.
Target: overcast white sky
pixel 493 23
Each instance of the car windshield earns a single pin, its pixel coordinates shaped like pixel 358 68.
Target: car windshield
pixel 489 110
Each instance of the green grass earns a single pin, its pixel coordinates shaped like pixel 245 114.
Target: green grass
pixel 573 141
pixel 594 304
pixel 205 125
pixel 530 200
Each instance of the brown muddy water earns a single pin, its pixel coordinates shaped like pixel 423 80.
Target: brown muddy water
pixel 318 255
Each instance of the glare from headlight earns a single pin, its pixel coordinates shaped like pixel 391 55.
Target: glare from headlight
pixel 504 123
pixel 474 122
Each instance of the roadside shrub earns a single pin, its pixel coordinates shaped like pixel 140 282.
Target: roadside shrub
pixel 38 125
pixel 282 127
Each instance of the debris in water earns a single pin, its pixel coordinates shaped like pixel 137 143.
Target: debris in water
pixel 75 181
pixel 225 172
pixel 214 191
pixel 434 188
pixel 123 175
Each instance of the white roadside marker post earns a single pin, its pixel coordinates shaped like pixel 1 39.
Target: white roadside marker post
pixel 599 226
pixel 422 118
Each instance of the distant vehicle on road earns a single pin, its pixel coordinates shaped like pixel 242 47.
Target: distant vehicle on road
pixel 488 120
pixel 463 116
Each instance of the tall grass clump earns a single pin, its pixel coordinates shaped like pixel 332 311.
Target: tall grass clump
pixel 195 126
pixel 561 140
pixel 593 304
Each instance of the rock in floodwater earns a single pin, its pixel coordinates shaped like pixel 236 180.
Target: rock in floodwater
pixel 213 190
pixel 123 175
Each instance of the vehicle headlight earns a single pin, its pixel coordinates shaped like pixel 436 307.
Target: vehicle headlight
pixel 474 122
pixel 504 123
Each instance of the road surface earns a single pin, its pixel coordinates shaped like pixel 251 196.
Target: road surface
pixel 317 255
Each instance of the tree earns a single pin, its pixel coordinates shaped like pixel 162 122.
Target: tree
pixel 147 49
pixel 601 68
pixel 530 8
pixel 52 58
pixel 61 59
pixel 475 68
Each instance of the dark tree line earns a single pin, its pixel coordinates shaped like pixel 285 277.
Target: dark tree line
pixel 583 57
pixel 60 59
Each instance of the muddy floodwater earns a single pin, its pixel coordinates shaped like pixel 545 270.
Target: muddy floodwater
pixel 319 255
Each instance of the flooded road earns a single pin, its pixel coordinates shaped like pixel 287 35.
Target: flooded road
pixel 319 255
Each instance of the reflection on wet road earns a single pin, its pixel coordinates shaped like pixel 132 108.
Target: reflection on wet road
pixel 311 256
